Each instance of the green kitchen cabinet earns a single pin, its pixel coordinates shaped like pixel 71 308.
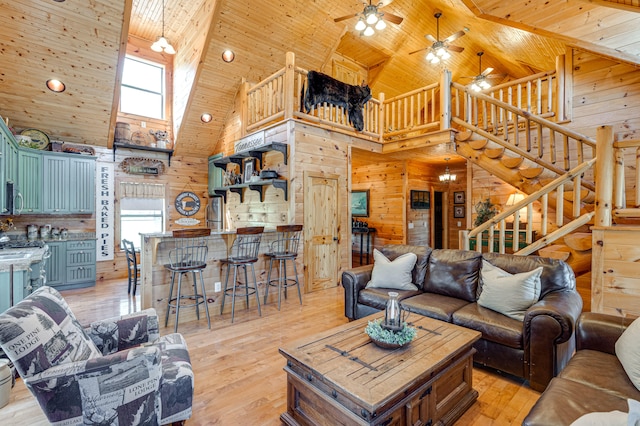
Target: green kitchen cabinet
pixel 19 282
pixel 56 184
pixel 72 264
pixel 56 265
pixel 30 180
pixel 215 174
pixel 82 187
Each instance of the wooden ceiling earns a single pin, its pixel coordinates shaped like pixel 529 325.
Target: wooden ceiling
pixel 83 42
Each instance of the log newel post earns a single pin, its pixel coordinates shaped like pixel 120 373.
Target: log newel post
pixel 445 100
pixel 604 175
pixel 289 82
pixel 381 118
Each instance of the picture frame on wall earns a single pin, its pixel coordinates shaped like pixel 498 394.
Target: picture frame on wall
pixel 458 197
pixel 458 212
pixel 249 168
pixel 420 200
pixel 360 203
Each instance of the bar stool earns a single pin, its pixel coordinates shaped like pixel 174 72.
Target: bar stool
pixel 132 264
pixel 244 252
pixel 283 249
pixel 188 255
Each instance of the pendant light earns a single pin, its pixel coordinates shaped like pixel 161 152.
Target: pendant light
pixel 162 44
pixel 447 177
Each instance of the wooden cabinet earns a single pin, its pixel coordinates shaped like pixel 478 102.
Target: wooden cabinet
pixel 215 174
pixel 69 184
pixel 19 282
pixel 72 264
pixel 30 180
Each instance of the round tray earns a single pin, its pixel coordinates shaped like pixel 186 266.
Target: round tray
pixel 386 345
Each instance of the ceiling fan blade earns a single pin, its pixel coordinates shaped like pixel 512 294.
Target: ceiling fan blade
pixel 496 76
pixel 455 48
pixel 431 38
pixel 454 36
pixel 394 19
pixel 383 3
pixel 487 71
pixel 344 18
pixel 417 51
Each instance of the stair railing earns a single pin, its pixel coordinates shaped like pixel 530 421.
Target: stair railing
pixel 555 189
pixel 521 131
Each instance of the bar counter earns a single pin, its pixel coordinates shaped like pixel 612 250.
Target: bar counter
pixel 153 286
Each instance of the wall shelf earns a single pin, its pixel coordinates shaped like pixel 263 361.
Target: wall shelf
pixel 253 153
pixel 259 186
pixel 117 145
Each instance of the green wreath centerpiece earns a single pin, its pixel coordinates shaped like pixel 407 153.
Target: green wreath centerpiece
pixel 389 339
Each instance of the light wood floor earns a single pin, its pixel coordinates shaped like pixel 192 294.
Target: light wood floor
pixel 238 370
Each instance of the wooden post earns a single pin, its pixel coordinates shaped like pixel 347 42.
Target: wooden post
pixel 604 175
pixel 289 82
pixel 244 107
pixel 560 86
pixel 619 198
pixel 381 118
pixel 445 100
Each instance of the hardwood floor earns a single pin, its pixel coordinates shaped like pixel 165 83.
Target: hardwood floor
pixel 238 370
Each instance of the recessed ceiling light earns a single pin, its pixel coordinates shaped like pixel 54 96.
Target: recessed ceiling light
pixel 56 85
pixel 228 56
pixel 59 1
pixel 206 117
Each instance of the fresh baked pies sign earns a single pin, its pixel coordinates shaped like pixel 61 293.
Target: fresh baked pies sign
pixel 187 203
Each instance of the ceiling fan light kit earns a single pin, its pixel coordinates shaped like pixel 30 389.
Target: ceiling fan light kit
pixel 371 19
pixel 439 50
pixel 480 82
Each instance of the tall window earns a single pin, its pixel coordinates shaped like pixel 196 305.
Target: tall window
pixel 140 216
pixel 143 88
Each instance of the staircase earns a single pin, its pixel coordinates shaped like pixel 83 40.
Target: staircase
pixel 551 163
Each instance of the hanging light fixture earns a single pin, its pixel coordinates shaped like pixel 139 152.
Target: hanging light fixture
pixel 162 44
pixel 447 176
pixel 480 81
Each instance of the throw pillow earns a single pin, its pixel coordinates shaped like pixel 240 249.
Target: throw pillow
pixel 628 352
pixel 612 418
pixel 509 294
pixel 394 274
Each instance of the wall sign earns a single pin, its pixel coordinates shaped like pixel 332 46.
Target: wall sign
pixel 250 142
pixel 142 166
pixel 187 221
pixel 105 211
pixel 187 203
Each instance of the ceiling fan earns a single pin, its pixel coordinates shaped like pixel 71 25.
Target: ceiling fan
pixel 439 50
pixel 480 81
pixel 371 17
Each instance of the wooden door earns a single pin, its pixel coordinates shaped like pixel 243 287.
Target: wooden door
pixel 321 195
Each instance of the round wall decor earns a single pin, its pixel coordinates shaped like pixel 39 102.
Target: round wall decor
pixel 187 203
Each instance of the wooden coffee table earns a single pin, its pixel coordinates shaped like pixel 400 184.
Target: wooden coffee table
pixel 340 377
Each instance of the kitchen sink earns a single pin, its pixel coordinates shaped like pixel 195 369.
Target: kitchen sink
pixel 15 255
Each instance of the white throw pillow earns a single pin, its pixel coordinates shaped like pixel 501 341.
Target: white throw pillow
pixel 612 418
pixel 394 274
pixel 628 352
pixel 509 294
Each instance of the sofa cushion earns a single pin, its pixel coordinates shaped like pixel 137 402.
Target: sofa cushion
pixel 391 251
pixel 394 273
pixel 564 401
pixel 434 305
pixel 583 364
pixel 556 274
pixel 377 297
pixel 509 294
pixel 493 326
pixel 454 273
pixel 628 352
pixel 40 332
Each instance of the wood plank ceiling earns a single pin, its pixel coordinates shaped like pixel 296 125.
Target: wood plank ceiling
pixel 82 43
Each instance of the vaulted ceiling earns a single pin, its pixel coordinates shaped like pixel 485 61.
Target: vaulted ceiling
pixel 82 42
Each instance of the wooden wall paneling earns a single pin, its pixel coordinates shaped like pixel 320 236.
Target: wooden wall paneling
pixel 418 220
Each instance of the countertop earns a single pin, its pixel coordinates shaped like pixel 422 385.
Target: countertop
pixel 213 233
pixel 22 264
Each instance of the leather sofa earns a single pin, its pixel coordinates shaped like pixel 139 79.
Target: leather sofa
pixel 593 380
pixel 448 282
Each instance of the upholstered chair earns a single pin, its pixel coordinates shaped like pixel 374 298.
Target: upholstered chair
pixel 116 371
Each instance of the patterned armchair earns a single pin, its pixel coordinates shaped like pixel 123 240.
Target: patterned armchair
pixel 117 371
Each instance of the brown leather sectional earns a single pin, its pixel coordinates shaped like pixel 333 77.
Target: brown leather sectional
pixel 592 381
pixel 536 349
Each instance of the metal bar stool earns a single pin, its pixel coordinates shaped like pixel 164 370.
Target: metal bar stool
pixel 244 252
pixel 283 249
pixel 188 255
pixel 132 264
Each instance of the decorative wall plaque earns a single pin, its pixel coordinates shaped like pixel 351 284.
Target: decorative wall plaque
pixel 142 166
pixel 187 203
